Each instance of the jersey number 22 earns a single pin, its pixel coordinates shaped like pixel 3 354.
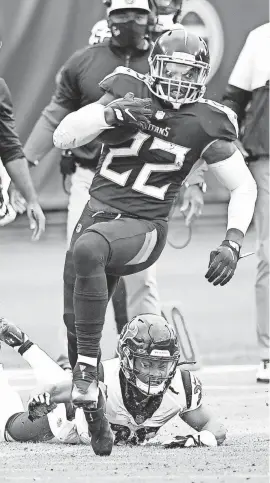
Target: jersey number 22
pixel 140 183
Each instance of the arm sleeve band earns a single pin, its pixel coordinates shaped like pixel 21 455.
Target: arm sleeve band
pixel 80 127
pixel 236 177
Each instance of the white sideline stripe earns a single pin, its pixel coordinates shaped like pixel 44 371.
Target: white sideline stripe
pixel 227 369
pixel 166 478
pixel 18 374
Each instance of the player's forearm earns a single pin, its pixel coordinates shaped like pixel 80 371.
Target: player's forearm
pixel 40 141
pixel 236 177
pixel 237 99
pixel 19 173
pixel 81 127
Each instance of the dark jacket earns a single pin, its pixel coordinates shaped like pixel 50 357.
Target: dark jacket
pixel 78 85
pixel 10 145
pixel 252 108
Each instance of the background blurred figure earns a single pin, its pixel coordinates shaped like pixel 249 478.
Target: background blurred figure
pixel 164 14
pixel 248 94
pixel 15 165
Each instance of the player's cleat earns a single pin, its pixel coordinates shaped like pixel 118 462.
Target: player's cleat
pixel 99 429
pixel 11 334
pixel 263 373
pixel 85 386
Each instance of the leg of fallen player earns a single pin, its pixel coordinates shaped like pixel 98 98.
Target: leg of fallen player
pixel 16 423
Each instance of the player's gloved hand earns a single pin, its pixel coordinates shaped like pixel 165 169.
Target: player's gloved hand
pixel 67 162
pixel 204 438
pixel 39 406
pixel 131 110
pixel 223 262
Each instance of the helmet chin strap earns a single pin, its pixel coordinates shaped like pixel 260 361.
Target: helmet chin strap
pixel 148 389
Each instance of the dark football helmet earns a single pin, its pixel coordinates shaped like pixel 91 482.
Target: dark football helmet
pixel 149 353
pixel 179 65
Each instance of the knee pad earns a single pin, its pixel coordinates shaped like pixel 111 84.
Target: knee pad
pixel 90 251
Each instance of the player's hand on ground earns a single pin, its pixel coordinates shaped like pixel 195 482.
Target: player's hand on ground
pixel 130 110
pixel 192 203
pixel 40 405
pixel 223 262
pixel 36 219
pixel 204 438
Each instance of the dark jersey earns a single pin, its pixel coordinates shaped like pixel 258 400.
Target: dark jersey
pixel 10 145
pixel 79 80
pixel 143 175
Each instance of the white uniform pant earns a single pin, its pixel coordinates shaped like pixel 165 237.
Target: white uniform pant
pixel 260 172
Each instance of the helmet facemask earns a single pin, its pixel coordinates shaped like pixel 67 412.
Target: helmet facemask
pixel 149 353
pixel 151 374
pixel 178 78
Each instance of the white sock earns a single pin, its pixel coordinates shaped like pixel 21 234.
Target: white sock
pixel 91 361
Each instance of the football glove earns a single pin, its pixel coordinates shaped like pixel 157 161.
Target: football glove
pixel 67 163
pixel 132 110
pixel 204 438
pixel 223 262
pixel 39 406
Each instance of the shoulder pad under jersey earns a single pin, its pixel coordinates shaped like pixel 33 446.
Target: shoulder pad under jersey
pixel 193 390
pixel 123 80
pixel 218 121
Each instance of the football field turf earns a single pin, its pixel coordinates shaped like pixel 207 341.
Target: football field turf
pixel 221 319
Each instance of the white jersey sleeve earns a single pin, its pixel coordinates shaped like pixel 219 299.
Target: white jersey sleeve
pixel 63 430
pixel 193 391
pixel 252 70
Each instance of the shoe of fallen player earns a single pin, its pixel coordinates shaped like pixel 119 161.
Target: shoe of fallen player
pixel 11 334
pixel 87 393
pixel 263 372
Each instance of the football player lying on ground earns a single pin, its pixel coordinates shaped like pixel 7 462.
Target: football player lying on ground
pixel 154 128
pixel 144 389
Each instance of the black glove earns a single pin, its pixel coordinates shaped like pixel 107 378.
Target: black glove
pixel 132 110
pixel 223 262
pixel 39 406
pixel 67 163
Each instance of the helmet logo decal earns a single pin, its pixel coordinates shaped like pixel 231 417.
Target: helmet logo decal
pixel 160 353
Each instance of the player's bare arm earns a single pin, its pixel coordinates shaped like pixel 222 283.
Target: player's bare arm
pixel 201 419
pixel 228 165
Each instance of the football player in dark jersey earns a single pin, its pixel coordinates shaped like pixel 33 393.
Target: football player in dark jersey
pixel 154 128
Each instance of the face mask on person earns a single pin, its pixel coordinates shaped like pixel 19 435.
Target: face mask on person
pixel 128 34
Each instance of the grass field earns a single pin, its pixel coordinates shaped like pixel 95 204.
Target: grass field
pixel 222 321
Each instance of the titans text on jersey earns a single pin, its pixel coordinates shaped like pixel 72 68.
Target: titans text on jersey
pixel 145 172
